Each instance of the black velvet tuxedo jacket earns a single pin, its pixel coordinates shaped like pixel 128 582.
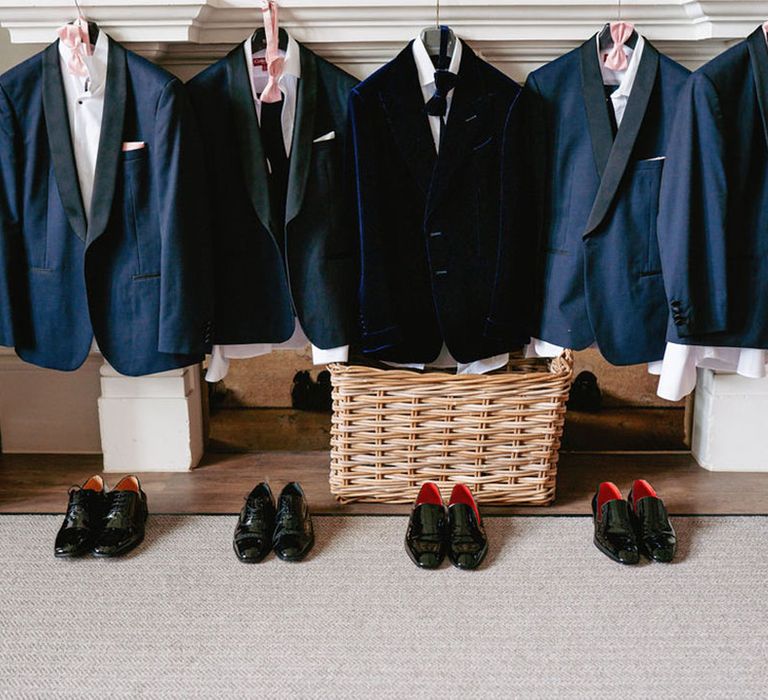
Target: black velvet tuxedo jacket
pixel 268 275
pixel 135 274
pixel 429 233
pixel 713 223
pixel 595 202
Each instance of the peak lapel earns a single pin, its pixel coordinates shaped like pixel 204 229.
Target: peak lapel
pixel 599 121
pixel 110 141
pixel 404 107
pixel 626 136
pixel 758 55
pixel 303 134
pixel 467 98
pixel 60 142
pixel 249 136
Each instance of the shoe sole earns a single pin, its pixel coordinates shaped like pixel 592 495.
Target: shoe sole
pixel 71 555
pixel 119 552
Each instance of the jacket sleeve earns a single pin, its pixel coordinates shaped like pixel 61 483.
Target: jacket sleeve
pixel 522 174
pixel 186 294
pixel 693 214
pixel 377 325
pixel 10 228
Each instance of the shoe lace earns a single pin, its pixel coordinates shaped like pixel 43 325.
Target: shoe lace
pixel 117 502
pixel 288 517
pixel 254 508
pixel 78 500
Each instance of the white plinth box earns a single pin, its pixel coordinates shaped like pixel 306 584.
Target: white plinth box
pixel 730 422
pixel 152 423
pixel 45 411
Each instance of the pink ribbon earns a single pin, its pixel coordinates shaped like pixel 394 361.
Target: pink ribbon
pixel 274 60
pixel 620 33
pixel 75 37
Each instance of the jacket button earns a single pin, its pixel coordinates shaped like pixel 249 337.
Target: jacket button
pixel 675 304
pixel 435 234
pixel 440 273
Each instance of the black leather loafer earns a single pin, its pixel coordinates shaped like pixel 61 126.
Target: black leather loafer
pixel 467 542
pixel 294 534
pixel 124 521
pixel 654 532
pixel 256 526
pixel 614 532
pixel 425 538
pixel 82 521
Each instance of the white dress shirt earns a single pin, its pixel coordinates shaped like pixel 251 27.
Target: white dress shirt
pixel 85 105
pixel 288 84
pixel 426 71
pixel 625 79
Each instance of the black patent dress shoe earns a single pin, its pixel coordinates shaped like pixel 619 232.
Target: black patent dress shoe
pixel 425 538
pixel 124 520
pixel 82 521
pixel 654 532
pixel 614 532
pixel 294 534
pixel 256 526
pixel 467 542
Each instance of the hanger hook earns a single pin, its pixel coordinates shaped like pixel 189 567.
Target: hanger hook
pixel 437 13
pixel 79 9
pixel 618 11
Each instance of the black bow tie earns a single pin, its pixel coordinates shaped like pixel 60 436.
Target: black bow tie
pixel 445 81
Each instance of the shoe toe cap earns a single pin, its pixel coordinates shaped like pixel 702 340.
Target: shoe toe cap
pixel 628 556
pixel 662 554
pixel 428 560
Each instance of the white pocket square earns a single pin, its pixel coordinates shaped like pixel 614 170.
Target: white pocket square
pixel 650 160
pixel 133 145
pixel 325 137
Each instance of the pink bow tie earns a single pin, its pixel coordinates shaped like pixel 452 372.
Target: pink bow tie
pixel 275 61
pixel 75 38
pixel 620 33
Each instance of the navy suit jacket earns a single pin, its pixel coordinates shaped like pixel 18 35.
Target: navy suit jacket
pixel 135 276
pixel 595 201
pixel 266 275
pixel 428 225
pixel 713 223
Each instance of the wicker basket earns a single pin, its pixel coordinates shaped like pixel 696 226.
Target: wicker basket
pixel 498 433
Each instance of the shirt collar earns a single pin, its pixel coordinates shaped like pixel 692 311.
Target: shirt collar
pixel 291 64
pixel 424 64
pixel 628 80
pixel 96 62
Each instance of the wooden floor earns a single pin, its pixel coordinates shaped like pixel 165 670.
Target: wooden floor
pixel 281 445
pixel 38 483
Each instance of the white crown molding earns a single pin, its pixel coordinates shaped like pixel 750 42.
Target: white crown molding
pixel 360 34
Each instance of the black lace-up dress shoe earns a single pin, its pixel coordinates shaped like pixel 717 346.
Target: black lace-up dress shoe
pixel 655 533
pixel 256 526
pixel 614 532
pixel 467 542
pixel 425 538
pixel 82 523
pixel 294 535
pixel 124 520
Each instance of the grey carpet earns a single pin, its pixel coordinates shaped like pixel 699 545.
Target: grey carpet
pixel 548 616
